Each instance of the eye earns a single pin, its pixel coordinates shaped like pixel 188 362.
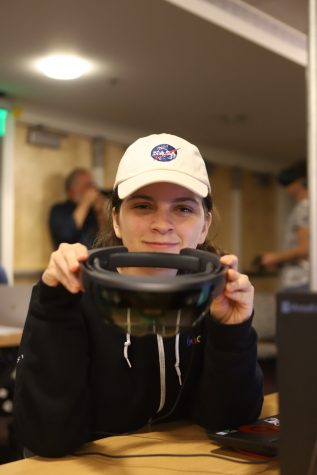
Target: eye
pixel 142 206
pixel 185 209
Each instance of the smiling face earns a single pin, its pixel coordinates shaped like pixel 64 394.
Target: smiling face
pixel 161 217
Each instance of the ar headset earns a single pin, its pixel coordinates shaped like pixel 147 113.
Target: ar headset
pixel 142 305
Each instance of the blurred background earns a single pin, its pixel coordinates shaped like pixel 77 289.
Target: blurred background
pixel 229 76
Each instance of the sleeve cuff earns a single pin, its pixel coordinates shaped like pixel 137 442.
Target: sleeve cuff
pixel 231 337
pixel 54 302
pixel 49 294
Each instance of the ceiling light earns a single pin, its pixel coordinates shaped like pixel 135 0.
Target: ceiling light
pixel 63 67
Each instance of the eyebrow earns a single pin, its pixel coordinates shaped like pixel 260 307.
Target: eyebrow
pixel 176 200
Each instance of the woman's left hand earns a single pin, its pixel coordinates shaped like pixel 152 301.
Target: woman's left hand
pixel 235 304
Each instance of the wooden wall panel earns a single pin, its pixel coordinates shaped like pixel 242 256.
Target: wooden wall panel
pixel 259 233
pixel 113 154
pixel 39 181
pixel 258 215
pixel 220 231
pixel 39 175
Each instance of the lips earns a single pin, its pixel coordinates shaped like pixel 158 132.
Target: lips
pixel 161 245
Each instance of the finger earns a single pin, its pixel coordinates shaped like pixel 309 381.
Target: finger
pixel 241 291
pixel 64 275
pixel 237 281
pixel 230 260
pixel 70 266
pixel 56 272
pixel 64 265
pixel 73 254
pixel 244 302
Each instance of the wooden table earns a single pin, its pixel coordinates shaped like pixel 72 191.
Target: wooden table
pixel 10 336
pixel 173 438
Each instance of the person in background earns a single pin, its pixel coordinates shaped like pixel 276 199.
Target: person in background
pixel 3 276
pixel 82 215
pixel 293 258
pixel 80 379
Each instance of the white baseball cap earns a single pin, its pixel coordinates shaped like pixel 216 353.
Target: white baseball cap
pixel 162 158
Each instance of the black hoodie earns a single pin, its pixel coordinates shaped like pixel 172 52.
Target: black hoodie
pixel 74 382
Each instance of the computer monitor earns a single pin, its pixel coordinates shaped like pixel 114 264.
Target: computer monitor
pixel 14 303
pixel 297 382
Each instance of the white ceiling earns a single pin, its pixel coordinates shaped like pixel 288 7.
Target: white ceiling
pixel 160 68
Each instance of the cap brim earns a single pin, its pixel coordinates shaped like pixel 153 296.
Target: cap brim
pixel 133 184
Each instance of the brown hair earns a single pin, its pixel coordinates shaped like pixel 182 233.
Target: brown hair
pixel 72 177
pixel 108 238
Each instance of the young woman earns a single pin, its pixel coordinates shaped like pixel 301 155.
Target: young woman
pixel 75 382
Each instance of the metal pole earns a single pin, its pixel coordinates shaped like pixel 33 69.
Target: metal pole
pixel 312 139
pixel 7 199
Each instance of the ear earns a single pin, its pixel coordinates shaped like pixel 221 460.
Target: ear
pixel 115 223
pixel 204 232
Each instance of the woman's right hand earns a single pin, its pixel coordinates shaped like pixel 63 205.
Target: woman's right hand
pixel 63 267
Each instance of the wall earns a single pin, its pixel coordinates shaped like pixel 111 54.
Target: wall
pixel 220 231
pixel 259 223
pixel 113 154
pixel 39 175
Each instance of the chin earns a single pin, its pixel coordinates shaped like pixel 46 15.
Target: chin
pixel 162 248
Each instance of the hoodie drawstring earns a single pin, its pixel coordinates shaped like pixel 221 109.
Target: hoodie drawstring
pixel 177 359
pixel 127 343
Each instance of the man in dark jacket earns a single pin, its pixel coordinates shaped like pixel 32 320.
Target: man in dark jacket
pixel 82 215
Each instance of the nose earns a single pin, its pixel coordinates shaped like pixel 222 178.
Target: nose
pixel 162 221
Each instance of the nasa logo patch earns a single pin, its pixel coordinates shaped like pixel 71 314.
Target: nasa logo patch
pixel 164 152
